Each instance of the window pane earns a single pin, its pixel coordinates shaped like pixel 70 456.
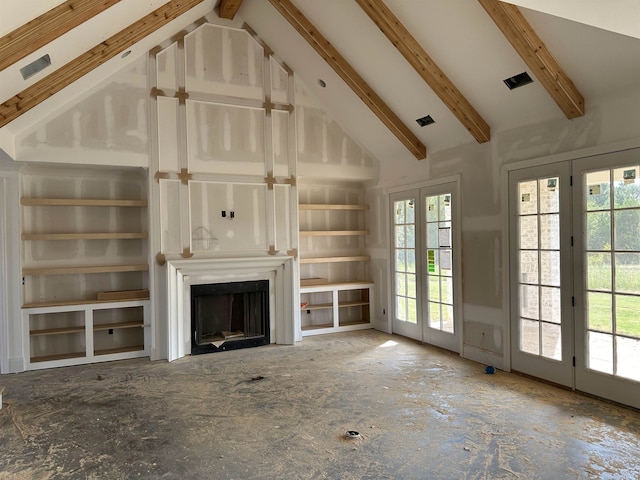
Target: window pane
pixel 529 266
pixel 400 237
pixel 551 341
pixel 598 231
pixel 401 308
pixel 628 350
pixel 432 209
pixel 412 315
pixel 410 211
pixel 435 319
pixel 447 290
pixel 550 232
pixel 400 212
pixel 447 318
pixel 432 235
pixel 600 352
pixel 411 261
pixel 528 196
pixel 401 284
pixel 529 336
pixel 549 195
pixel 626 185
pixel 445 207
pixel 550 268
pixel 434 288
pixel 628 315
pixel 411 236
pixel 529 233
pixel 599 271
pixel 628 272
pixel 627 230
pixel 550 304
pixel 529 301
pixel 411 285
pixel 401 265
pixel 597 193
pixel 599 308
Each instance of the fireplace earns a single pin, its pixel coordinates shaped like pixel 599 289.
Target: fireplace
pixel 182 274
pixel 228 316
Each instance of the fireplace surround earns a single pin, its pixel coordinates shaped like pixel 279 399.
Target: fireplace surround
pixel 283 325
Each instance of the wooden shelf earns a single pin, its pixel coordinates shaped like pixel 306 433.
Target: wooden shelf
pixel 56 331
pixel 141 267
pixel 80 202
pixel 331 233
pixel 69 303
pixel 317 327
pixel 84 236
pixel 115 326
pixel 109 351
pixel 322 206
pixel 353 304
pixel 60 356
pixel 317 306
pixel 318 287
pixel 352 258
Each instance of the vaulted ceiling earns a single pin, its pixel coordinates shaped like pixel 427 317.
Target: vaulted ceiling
pixel 377 65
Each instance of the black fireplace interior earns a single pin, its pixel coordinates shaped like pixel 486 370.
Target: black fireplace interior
pixel 227 316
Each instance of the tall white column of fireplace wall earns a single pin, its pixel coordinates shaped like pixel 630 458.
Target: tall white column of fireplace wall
pixel 181 274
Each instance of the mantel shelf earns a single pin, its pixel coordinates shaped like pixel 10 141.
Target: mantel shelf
pixel 322 206
pixel 143 267
pixel 85 236
pixel 80 202
pixel 332 233
pixel 352 258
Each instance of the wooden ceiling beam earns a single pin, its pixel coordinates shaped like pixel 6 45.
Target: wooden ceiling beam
pixel 42 30
pixel 536 55
pixel 229 8
pixel 72 71
pixel 350 76
pixel 418 58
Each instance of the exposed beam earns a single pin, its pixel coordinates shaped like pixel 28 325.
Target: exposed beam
pixel 72 71
pixel 409 47
pixel 47 27
pixel 536 55
pixel 350 76
pixel 229 8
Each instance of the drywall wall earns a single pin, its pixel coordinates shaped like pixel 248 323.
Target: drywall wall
pixel 609 120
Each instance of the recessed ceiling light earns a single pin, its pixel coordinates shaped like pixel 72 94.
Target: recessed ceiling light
pixel 518 80
pixel 424 121
pixel 35 67
pixel 322 83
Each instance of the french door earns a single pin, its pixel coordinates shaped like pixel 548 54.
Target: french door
pixel 575 274
pixel 426 287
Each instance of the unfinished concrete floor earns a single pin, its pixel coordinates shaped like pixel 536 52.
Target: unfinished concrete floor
pixel 281 412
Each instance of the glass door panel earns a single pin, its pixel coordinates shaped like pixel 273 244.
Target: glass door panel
pixel 541 307
pixel 405 293
pixel 608 276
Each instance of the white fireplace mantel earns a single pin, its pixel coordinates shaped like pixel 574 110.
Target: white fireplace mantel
pixel 181 274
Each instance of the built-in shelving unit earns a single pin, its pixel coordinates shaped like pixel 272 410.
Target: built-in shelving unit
pixel 335 292
pixel 84 266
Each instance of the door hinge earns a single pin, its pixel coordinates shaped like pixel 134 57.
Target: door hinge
pixel 572 240
pixel 573 301
pixel 574 361
pixel 571 180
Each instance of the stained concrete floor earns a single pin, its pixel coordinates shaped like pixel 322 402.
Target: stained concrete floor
pixel 281 412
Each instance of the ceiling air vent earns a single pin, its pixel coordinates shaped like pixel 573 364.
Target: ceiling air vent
pixel 518 80
pixel 424 121
pixel 35 67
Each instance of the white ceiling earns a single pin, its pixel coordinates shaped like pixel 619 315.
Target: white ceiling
pixel 457 34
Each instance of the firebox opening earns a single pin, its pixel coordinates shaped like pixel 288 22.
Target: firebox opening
pixel 226 316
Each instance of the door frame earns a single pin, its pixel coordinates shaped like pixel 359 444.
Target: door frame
pixel 457 250
pixel 606 148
